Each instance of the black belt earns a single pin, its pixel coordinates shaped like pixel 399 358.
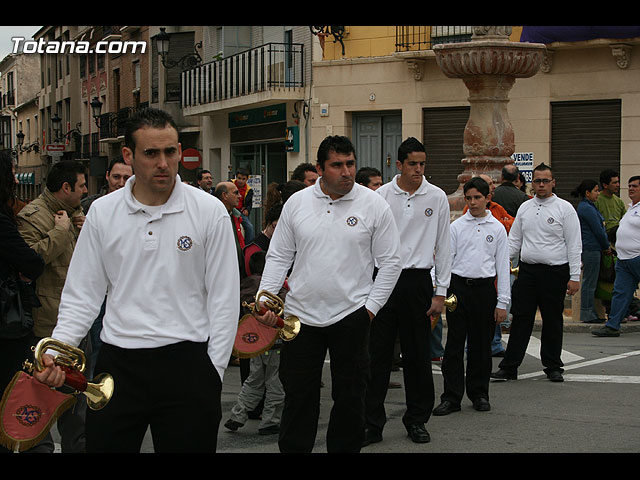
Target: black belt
pixel 473 282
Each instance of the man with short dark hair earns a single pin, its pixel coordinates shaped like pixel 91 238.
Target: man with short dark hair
pixel 421 213
pixel 51 225
pixel 117 174
pixel 305 173
pixel 369 177
pixel 609 204
pixel 336 231
pixel 245 203
pixel 204 179
pixel 546 239
pixel 628 264
pixel 164 252
pixel 507 194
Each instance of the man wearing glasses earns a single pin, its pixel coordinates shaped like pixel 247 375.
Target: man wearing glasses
pixel 545 236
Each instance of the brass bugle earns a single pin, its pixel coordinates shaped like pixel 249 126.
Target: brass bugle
pixel 288 327
pixel 514 271
pixel 451 303
pixel 73 361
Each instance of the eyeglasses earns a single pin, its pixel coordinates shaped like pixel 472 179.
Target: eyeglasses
pixel 542 180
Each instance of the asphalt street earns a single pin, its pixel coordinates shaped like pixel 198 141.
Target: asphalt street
pixel 595 410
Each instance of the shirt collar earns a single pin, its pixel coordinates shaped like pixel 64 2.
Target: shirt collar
pixel 488 218
pixel 546 201
pixel 175 202
pixel 317 191
pixel 422 189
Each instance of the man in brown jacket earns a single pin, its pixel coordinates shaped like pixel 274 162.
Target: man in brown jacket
pixel 50 225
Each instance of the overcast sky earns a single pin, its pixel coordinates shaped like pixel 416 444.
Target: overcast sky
pixel 6 32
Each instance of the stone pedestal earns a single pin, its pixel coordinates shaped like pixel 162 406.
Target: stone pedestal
pixel 488 65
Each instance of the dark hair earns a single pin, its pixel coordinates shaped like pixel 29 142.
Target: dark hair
pixel 7 184
pixel 64 171
pixel 479 184
pixel 200 173
pixel 510 173
pixel 363 176
pixel 584 187
pixel 146 117
pixel 279 193
pixel 607 175
pixel 273 214
pixel 299 173
pixel 410 145
pixel 242 171
pixel 523 179
pixel 542 167
pixel 256 262
pixel 337 144
pixel 112 163
pixel 633 179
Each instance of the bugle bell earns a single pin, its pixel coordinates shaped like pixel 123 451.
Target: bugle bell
pixel 288 326
pixel 514 270
pixel 451 303
pixel 72 360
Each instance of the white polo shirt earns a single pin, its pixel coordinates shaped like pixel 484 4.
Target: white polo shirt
pixel 479 249
pixel 547 231
pixel 423 220
pixel 628 234
pixel 332 245
pixel 170 274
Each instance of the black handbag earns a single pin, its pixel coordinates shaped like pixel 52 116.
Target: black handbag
pixel 17 300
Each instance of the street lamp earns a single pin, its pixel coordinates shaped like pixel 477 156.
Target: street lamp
pixel 187 61
pixel 57 126
pixel 20 142
pixel 96 106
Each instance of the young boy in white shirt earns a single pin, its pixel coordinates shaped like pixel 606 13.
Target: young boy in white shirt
pixel 479 251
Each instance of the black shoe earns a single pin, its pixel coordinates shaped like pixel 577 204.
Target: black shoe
pixel 371 437
pixel 233 425
pixel 498 354
pixel 481 405
pixel 605 331
pixel 555 376
pixel 597 320
pixel 418 433
pixel 269 430
pixel 503 375
pixel 445 408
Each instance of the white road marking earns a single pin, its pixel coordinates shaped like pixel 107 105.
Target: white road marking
pixel 533 349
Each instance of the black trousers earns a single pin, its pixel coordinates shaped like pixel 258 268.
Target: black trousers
pixel 405 314
pixel 471 323
pixel 175 390
pixel 544 287
pixel 301 363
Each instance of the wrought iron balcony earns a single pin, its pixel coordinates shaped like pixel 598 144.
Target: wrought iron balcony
pixel 425 37
pixel 271 66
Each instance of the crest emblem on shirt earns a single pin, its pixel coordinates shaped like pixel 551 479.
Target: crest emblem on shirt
pixel 185 243
pixel 428 212
pixel 352 221
pixel 489 238
pixel 550 220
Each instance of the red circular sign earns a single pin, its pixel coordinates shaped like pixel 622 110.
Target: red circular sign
pixel 191 159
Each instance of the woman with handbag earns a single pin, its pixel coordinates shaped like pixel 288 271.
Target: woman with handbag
pixel 19 265
pixel 594 244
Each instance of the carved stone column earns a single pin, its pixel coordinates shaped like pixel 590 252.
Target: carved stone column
pixel 488 65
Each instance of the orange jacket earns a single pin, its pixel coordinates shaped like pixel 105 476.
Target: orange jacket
pixel 499 213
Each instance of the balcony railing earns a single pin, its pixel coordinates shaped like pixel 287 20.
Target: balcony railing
pixel 425 37
pixel 268 67
pixel 112 124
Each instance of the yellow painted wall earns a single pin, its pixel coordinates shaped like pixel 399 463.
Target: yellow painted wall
pixel 373 41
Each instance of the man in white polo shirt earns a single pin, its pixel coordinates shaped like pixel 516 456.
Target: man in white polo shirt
pixel 628 264
pixel 421 211
pixel 165 255
pixel 336 231
pixel 546 237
